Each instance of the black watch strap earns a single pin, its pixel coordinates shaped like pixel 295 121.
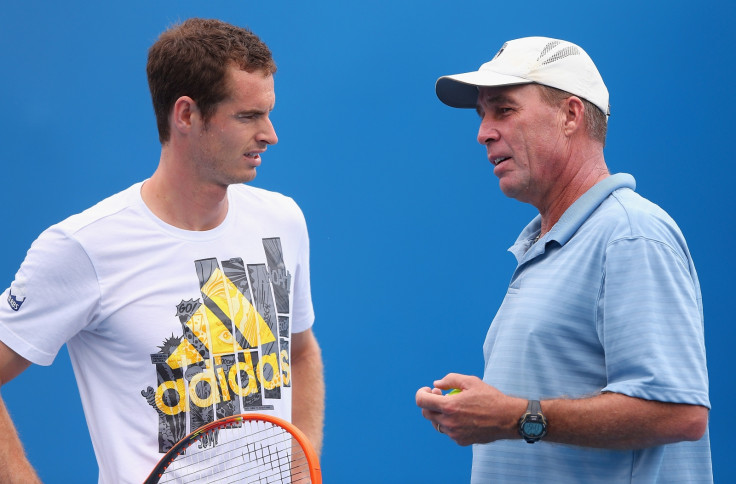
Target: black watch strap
pixel 533 424
pixel 534 407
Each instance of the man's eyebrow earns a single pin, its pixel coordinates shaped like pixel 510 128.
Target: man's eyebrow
pixel 251 112
pixel 500 98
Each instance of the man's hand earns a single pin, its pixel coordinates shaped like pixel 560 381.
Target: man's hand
pixel 478 414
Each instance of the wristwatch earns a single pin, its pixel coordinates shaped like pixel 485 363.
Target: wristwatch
pixel 533 425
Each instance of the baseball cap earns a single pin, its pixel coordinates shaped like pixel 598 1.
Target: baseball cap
pixel 541 60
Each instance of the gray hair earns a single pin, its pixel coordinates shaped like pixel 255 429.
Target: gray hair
pixel 595 120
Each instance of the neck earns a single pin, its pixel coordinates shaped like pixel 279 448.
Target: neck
pixel 577 179
pixel 179 198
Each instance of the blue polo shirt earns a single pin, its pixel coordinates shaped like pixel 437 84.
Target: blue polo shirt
pixel 607 301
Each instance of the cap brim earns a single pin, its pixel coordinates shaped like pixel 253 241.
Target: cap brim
pixel 461 90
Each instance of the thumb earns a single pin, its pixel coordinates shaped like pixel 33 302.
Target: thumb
pixel 452 381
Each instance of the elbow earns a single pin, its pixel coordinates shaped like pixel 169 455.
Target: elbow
pixel 694 423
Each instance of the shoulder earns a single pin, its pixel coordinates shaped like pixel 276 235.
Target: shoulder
pixel 626 217
pixel 259 200
pixel 636 216
pixel 105 210
pixel 71 238
pixel 251 193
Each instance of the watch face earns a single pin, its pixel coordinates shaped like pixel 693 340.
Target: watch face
pixel 533 428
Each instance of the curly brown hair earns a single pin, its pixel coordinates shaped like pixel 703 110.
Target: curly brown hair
pixel 192 59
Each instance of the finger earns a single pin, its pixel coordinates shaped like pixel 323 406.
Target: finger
pixel 430 401
pixel 453 381
pixel 422 391
pixel 431 415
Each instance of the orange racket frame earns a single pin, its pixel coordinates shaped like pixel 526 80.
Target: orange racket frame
pixel 315 472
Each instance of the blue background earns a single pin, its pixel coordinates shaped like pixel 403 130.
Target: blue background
pixel 408 228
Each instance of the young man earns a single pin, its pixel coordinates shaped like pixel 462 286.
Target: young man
pixel 596 356
pixel 186 297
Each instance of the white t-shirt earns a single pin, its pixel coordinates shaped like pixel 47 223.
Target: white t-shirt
pixel 167 329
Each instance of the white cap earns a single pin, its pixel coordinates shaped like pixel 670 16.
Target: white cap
pixel 541 60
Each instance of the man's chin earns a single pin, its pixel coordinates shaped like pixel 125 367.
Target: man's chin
pixel 245 177
pixel 507 188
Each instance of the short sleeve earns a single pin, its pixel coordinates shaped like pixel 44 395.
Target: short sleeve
pixel 651 324
pixel 53 296
pixel 303 310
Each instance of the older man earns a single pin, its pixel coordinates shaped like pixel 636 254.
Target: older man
pixel 596 356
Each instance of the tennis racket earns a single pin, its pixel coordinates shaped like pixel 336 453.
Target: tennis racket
pixel 243 448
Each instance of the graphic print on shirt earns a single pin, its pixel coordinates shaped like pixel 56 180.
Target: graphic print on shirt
pixel 233 354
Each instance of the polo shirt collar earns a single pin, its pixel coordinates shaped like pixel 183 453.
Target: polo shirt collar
pixel 571 220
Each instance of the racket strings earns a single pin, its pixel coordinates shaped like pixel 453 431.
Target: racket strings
pixel 251 452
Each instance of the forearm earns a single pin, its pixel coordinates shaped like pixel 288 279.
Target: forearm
pixel 308 388
pixel 616 421
pixel 14 466
pixel 480 414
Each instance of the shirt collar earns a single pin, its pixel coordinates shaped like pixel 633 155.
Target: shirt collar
pixel 571 220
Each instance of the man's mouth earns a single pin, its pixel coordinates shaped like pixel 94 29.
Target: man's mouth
pixel 498 160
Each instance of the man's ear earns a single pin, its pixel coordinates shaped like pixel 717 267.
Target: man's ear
pixel 181 115
pixel 574 110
